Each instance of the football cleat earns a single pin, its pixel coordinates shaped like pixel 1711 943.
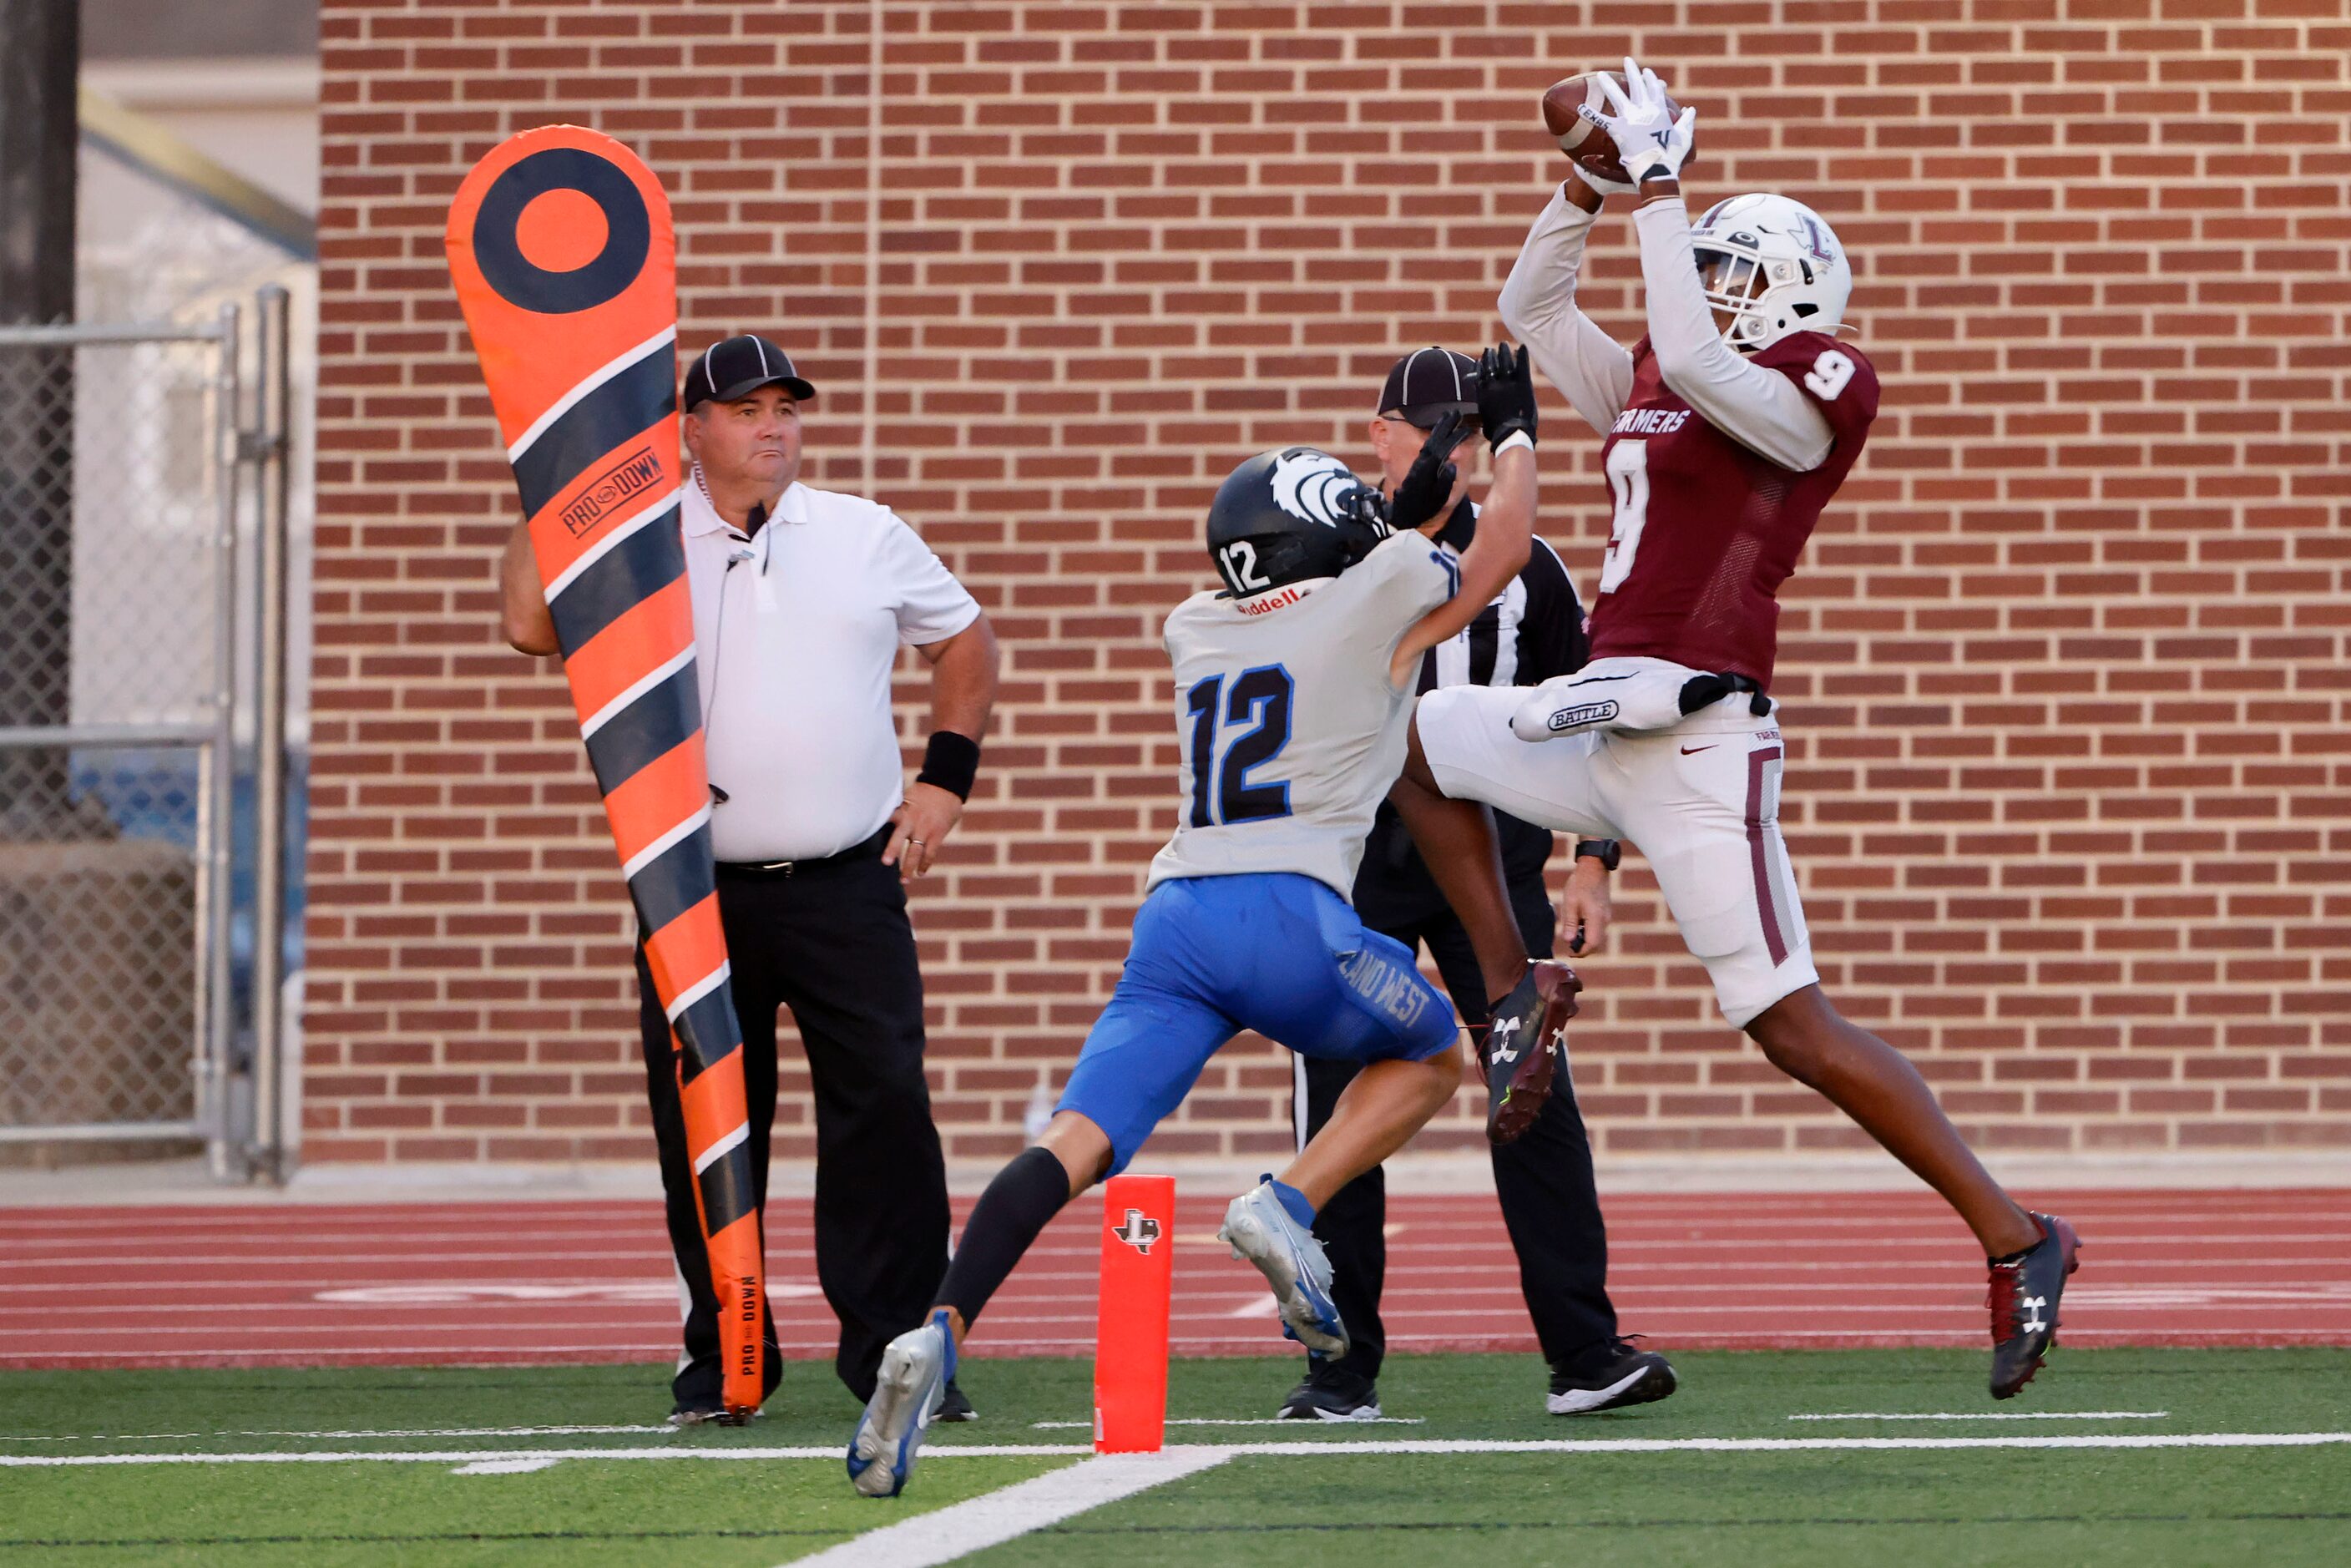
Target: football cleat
pixel 1261 1233
pixel 953 1407
pixel 907 1397
pixel 686 1416
pixel 2024 1303
pixel 1622 1375
pixel 1331 1394
pixel 1525 1049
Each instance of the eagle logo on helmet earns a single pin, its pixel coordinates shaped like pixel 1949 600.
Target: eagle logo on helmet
pixel 1315 487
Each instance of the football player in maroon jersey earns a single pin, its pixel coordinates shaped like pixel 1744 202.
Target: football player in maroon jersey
pixel 1726 429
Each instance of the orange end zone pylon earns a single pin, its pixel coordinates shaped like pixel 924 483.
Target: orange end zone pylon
pixel 1138 1278
pixel 566 266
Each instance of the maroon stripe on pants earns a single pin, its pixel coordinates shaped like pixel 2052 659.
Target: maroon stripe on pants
pixel 1759 855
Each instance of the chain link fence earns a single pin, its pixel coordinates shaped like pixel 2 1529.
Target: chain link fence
pixel 118 464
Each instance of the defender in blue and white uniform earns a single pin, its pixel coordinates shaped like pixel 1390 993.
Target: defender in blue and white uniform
pixel 1292 696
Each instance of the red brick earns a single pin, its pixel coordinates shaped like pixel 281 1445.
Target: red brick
pixel 2062 666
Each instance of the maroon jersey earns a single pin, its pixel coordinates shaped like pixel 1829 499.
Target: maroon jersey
pixel 1705 529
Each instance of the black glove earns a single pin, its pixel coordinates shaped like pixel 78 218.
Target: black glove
pixel 1364 520
pixel 1428 485
pixel 1505 395
pixel 1704 691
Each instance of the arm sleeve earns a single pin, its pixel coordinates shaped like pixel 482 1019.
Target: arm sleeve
pixel 1552 640
pixel 1760 408
pixel 1538 304
pixel 931 605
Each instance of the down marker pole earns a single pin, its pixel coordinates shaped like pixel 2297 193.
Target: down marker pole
pixel 1138 1276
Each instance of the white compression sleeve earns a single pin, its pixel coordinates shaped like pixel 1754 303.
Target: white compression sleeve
pixel 1760 408
pixel 1537 305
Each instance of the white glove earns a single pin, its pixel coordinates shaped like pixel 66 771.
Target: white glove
pixel 1650 142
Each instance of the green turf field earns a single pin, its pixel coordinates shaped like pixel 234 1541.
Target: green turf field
pixel 1823 1507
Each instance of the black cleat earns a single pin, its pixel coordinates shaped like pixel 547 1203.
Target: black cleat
pixel 712 1415
pixel 953 1407
pixel 2024 1303
pixel 1621 1378
pixel 1525 1049
pixel 1330 1394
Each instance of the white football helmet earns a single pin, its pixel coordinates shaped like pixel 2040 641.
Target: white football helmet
pixel 1775 266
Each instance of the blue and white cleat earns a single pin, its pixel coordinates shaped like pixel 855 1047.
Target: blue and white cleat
pixel 906 1397
pixel 1262 1232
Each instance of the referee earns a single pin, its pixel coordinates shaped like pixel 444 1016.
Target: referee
pixel 1533 632
pixel 801 598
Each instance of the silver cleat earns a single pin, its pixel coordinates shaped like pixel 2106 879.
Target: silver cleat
pixel 1262 1232
pixel 906 1395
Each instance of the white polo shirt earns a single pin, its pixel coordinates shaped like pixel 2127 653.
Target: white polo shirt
pixel 794 642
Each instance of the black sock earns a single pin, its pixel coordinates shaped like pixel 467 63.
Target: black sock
pixel 1021 1201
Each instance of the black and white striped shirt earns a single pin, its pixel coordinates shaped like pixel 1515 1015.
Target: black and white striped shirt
pixel 1532 632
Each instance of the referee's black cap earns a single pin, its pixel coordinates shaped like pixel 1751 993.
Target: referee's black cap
pixel 1429 383
pixel 737 367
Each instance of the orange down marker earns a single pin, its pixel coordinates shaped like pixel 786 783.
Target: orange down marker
pixel 1138 1275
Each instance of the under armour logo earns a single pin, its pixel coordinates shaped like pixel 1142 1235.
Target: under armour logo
pixel 1138 1231
pixel 1502 1031
pixel 2034 1305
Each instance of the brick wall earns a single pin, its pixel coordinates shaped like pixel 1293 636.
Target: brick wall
pixel 2064 667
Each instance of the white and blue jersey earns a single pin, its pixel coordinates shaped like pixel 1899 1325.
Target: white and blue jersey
pixel 1292 731
pixel 1291 735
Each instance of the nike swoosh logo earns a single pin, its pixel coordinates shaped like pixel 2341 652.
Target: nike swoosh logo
pixel 1686 750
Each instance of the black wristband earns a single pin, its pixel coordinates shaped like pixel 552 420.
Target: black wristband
pixel 1607 852
pixel 951 761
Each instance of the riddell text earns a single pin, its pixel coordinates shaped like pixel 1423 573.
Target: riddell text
pixel 1271 601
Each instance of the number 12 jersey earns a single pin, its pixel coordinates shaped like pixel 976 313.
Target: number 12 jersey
pixel 1290 730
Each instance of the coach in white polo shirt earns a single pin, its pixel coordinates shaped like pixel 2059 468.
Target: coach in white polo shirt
pixel 802 600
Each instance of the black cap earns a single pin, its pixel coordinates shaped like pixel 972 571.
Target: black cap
pixel 1428 384
pixel 738 366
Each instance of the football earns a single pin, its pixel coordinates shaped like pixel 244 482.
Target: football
pixel 1581 140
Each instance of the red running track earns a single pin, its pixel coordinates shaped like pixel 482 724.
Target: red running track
pixel 570 1283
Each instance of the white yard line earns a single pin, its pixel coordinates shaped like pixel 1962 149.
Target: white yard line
pixel 503 1467
pixel 371 1432
pixel 1778 1445
pixel 832 1451
pixel 1285 1450
pixel 1988 1415
pixel 960 1529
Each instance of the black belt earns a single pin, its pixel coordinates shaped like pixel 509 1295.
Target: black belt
pixel 779 871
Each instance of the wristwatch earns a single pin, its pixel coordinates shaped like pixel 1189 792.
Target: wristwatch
pixel 1607 852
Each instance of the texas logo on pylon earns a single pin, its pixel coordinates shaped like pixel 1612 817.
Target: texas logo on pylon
pixel 1138 1231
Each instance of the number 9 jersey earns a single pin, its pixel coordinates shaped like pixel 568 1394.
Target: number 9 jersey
pixel 1290 731
pixel 1704 531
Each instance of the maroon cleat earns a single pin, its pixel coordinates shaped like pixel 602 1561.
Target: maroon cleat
pixel 1525 1049
pixel 2024 1301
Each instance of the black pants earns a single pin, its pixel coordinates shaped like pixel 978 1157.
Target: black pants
pixel 1544 1179
pixel 833 945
